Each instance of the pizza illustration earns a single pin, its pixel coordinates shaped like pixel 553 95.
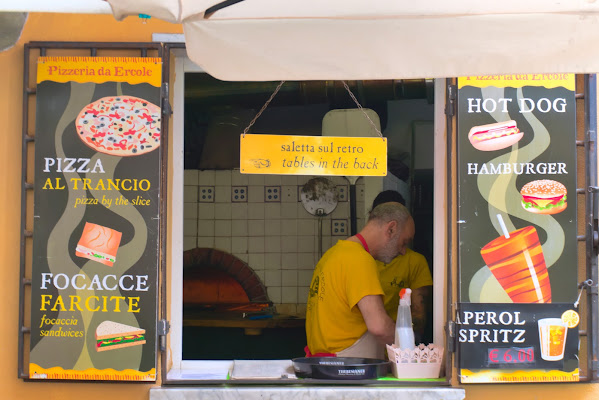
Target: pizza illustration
pixel 120 126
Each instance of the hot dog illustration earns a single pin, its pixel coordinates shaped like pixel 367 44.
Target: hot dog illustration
pixel 495 136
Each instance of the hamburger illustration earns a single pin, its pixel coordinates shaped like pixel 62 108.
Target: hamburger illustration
pixel 544 196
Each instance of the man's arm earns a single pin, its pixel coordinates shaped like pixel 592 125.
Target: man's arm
pixel 377 321
pixel 421 302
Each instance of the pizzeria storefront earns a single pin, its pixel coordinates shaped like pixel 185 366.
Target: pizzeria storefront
pixel 174 193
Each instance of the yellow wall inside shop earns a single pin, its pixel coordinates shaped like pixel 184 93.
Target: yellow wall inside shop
pixel 45 27
pixel 71 27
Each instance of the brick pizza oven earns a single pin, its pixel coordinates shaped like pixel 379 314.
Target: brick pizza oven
pixel 214 279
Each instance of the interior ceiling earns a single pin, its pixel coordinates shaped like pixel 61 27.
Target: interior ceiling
pixel 202 89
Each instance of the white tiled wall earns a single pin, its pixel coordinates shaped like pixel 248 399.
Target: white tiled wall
pixel 277 237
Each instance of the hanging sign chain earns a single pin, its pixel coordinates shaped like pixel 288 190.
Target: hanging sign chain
pixel 272 96
pixel 361 109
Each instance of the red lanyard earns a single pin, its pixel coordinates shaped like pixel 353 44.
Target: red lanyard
pixel 361 239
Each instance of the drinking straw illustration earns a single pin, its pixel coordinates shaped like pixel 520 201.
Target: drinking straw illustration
pixel 506 234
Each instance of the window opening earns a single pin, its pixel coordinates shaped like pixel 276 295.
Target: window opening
pixel 259 220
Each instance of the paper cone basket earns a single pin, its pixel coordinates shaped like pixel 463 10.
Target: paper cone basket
pixel 420 362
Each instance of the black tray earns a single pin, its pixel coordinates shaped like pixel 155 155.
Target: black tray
pixel 340 367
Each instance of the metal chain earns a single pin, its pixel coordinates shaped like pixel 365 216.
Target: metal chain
pixel 272 96
pixel 253 121
pixel 361 109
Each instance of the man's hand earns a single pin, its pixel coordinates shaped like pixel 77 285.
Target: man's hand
pixel 421 303
pixel 377 321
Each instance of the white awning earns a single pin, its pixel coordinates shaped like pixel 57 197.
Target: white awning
pixel 58 6
pixel 266 40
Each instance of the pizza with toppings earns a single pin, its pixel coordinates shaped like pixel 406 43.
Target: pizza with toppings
pixel 120 126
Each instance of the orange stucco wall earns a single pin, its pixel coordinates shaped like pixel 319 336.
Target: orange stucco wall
pixel 67 27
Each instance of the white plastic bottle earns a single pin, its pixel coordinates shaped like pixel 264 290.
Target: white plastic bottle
pixel 404 332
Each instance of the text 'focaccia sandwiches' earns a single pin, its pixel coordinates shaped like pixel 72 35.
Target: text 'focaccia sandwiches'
pixel 112 335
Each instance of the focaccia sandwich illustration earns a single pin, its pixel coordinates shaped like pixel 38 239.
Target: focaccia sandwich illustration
pixel 99 243
pixel 112 335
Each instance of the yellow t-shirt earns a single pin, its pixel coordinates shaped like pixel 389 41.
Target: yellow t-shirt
pixel 407 271
pixel 343 276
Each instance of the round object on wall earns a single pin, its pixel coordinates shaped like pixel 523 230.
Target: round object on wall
pixel 319 196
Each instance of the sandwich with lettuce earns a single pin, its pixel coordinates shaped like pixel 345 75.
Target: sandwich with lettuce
pixel 112 335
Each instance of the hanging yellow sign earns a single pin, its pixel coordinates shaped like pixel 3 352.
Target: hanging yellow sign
pixel 313 155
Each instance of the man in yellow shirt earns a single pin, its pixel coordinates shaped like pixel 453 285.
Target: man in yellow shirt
pixel 408 270
pixel 345 313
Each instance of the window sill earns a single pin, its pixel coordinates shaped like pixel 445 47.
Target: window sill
pixel 307 392
pixel 272 372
